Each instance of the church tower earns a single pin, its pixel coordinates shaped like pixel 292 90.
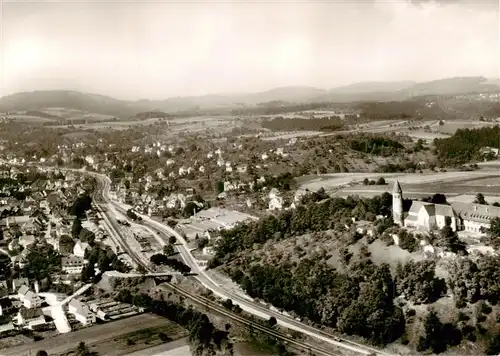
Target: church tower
pixel 397 204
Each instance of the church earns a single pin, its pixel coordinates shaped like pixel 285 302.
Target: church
pixel 429 217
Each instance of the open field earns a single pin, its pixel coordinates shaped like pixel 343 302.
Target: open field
pixel 98 336
pixel 29 119
pixel 174 348
pixel 109 125
pixel 332 182
pixel 289 135
pixel 450 127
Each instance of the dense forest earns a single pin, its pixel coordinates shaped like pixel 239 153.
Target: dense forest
pixel 374 145
pixel 313 216
pixel 466 144
pixel 358 302
pixel 361 298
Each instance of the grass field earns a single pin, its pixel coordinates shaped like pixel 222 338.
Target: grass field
pixel 450 127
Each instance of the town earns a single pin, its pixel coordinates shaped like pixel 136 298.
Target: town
pixel 261 178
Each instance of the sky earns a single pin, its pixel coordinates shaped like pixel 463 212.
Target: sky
pixel 155 50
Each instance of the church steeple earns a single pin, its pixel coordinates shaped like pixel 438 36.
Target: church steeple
pixel 397 188
pixel 397 204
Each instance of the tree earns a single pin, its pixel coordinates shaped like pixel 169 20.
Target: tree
pixel 81 205
pixel 86 235
pixel 417 281
pixel 88 272
pixel 172 240
pixel 219 187
pixel 76 228
pixel 381 181
pixel 168 250
pixel 202 243
pixel 431 339
pixel 42 353
pixel 141 269
pixel 493 346
pixel 66 244
pixel 439 198
pixel 480 199
pixel 272 321
pixel 449 240
pixel 83 350
pixel 42 262
pixel 5 263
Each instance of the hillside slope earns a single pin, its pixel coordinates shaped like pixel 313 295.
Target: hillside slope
pixel 91 103
pixel 367 91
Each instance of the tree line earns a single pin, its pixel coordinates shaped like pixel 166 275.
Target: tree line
pixel 465 144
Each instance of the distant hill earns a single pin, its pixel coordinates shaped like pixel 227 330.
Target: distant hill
pixel 372 87
pixel 365 91
pixel 91 103
pixel 451 86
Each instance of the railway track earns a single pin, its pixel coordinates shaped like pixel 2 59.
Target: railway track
pixel 291 341
pixel 99 199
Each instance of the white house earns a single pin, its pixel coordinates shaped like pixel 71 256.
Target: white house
pixel 28 298
pixel 80 248
pixel 81 312
pixel 275 200
pixel 30 317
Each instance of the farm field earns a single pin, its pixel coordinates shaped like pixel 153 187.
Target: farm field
pixel 174 348
pixel 106 337
pixel 109 125
pixel 450 127
pixel 335 181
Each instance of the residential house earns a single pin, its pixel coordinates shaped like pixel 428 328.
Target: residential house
pixel 81 312
pixel 72 264
pixel 18 220
pixel 19 282
pixel 30 317
pixel 29 298
pixel 275 200
pixel 26 240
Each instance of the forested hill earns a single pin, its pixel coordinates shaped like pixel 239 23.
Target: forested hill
pixel 466 144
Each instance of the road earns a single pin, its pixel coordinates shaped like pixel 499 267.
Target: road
pixel 249 306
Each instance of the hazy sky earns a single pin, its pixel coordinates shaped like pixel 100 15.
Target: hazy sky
pixel 154 50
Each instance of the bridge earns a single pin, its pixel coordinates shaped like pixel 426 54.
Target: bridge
pixel 117 274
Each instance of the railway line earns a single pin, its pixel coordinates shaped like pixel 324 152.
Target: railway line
pixel 255 325
pixel 99 199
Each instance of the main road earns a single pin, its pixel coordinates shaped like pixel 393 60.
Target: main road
pixel 246 304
